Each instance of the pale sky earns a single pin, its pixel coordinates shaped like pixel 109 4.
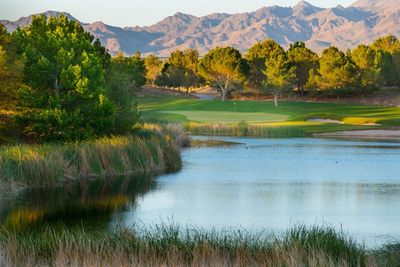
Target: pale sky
pixel 142 12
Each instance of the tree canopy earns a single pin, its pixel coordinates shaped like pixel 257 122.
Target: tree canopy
pixel 256 57
pixel 303 61
pixel 125 77
pixel 224 68
pixel 64 72
pixel 279 73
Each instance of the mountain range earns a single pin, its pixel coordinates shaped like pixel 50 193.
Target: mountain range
pixel 344 27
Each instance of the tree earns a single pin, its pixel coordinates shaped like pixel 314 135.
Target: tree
pixel 256 57
pixel 181 70
pixel 224 68
pixel 64 72
pixel 336 73
pixel 279 73
pixel 10 70
pixel 153 67
pixel 124 79
pixel 303 60
pixel 365 58
pixel 388 50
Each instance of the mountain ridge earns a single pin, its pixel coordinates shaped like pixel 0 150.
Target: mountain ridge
pixel 344 27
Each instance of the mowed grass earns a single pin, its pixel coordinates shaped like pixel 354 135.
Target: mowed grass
pixel 228 117
pixel 265 114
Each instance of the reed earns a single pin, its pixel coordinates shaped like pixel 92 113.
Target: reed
pixel 242 129
pixel 153 150
pixel 167 245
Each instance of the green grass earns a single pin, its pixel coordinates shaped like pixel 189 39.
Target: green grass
pixel 154 150
pixel 285 118
pixel 171 245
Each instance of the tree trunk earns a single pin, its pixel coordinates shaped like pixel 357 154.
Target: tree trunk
pixel 224 95
pixel 56 87
pixel 225 89
pixel 276 100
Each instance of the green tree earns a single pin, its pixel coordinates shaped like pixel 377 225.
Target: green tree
pixel 64 70
pixel 256 57
pixel 125 77
pixel 10 70
pixel 224 68
pixel 388 50
pixel 279 73
pixel 303 60
pixel 181 70
pixel 365 58
pixel 153 67
pixel 336 73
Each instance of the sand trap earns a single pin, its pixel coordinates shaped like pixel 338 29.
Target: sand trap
pixel 364 134
pixel 325 121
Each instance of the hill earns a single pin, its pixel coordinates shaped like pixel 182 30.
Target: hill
pixel 344 27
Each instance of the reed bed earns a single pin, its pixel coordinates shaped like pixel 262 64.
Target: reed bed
pixel 242 129
pixel 173 246
pixel 153 150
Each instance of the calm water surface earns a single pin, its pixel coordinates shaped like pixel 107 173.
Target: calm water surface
pixel 277 183
pixel 260 184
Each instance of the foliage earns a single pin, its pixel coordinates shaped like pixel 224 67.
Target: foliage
pixel 125 77
pixel 336 73
pixel 153 67
pixel 64 71
pixel 224 68
pixel 279 73
pixel 388 50
pixel 181 70
pixel 256 57
pixel 365 58
pixel 303 60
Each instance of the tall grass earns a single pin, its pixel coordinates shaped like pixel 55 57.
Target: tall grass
pixel 243 130
pixel 154 150
pixel 173 246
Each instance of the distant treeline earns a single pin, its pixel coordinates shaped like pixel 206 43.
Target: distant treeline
pixel 268 68
pixel 57 82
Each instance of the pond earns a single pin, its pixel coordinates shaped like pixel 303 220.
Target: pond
pixel 258 184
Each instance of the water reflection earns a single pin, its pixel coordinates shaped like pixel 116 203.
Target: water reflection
pixel 89 203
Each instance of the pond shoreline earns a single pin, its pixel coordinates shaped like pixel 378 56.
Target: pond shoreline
pixel 154 151
pixel 363 134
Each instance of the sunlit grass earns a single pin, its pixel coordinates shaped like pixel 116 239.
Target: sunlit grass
pixel 154 150
pixel 293 115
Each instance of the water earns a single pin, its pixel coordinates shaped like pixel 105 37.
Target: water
pixel 260 184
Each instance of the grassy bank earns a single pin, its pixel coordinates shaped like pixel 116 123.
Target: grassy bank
pixel 242 129
pixel 154 150
pixel 290 119
pixel 172 246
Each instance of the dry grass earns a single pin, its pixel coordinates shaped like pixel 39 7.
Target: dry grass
pixel 171 246
pixel 242 129
pixel 154 150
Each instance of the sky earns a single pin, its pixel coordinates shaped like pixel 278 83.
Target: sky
pixel 142 12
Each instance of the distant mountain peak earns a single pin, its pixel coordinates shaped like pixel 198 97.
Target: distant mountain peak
pixel 304 8
pixel 303 4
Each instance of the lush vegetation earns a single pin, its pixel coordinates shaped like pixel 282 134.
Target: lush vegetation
pixel 268 68
pixel 172 246
pixel 152 151
pixel 259 118
pixel 59 84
